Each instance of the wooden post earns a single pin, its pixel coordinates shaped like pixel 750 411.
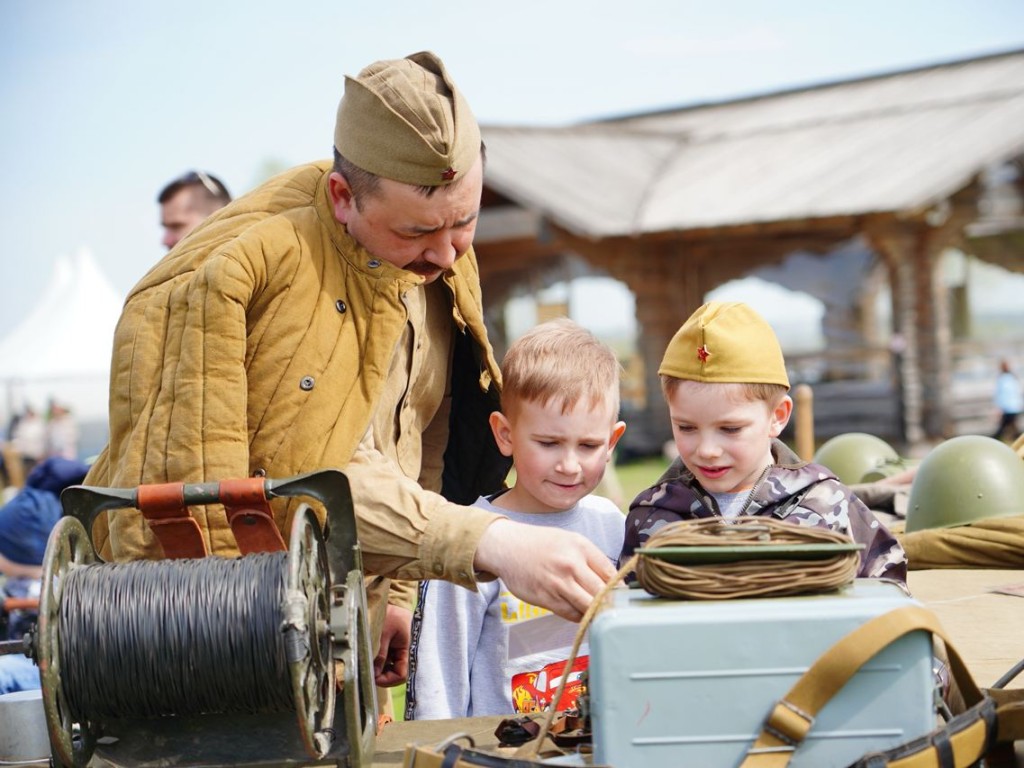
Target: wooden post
pixel 803 404
pixel 14 465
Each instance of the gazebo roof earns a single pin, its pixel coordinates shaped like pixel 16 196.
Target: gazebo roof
pixel 892 144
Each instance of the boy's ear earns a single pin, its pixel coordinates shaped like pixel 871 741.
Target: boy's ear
pixel 502 432
pixel 617 430
pixel 780 415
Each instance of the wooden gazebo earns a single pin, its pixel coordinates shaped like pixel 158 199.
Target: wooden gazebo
pixel 677 202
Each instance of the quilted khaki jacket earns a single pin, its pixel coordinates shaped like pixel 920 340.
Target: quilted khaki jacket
pixel 260 344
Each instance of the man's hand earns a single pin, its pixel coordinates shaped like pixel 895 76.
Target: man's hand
pixel 554 569
pixel 391 667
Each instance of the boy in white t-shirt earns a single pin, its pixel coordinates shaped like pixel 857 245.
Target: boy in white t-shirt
pixel 487 652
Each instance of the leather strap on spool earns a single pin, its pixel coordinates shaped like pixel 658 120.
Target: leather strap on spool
pixel 250 516
pixel 164 508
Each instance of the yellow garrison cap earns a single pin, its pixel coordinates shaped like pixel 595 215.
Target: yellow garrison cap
pixel 725 342
pixel 404 119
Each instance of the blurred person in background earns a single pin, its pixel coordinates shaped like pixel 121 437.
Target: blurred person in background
pixel 61 431
pixel 1009 399
pixel 28 438
pixel 25 525
pixel 186 201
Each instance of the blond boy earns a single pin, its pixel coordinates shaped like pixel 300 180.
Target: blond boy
pixel 487 652
pixel 725 382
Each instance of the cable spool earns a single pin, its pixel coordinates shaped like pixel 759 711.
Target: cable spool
pixel 210 637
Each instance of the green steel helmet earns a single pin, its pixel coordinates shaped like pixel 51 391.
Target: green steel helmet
pixel 963 480
pixel 853 455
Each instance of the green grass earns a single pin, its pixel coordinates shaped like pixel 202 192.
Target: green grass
pixel 398 700
pixel 638 475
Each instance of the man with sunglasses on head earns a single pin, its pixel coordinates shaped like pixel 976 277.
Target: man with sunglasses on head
pixel 186 201
pixel 332 318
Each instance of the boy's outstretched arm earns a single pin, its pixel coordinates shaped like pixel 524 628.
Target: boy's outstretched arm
pixel 558 570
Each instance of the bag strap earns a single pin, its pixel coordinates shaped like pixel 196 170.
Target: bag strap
pixel 962 741
pixel 793 716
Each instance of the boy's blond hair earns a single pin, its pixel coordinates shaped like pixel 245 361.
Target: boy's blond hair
pixel 768 393
pixel 559 361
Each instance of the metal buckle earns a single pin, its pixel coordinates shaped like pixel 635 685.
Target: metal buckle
pixel 789 736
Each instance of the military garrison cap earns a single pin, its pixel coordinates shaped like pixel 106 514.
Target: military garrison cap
pixel 725 342
pixel 405 120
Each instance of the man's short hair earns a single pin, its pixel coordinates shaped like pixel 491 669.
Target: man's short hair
pixel 365 184
pixel 559 361
pixel 209 191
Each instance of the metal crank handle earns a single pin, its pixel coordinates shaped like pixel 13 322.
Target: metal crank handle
pixel 23 646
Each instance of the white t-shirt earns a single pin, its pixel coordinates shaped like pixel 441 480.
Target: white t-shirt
pixel 489 653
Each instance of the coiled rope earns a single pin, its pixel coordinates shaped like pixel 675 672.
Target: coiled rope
pixel 182 637
pixel 783 573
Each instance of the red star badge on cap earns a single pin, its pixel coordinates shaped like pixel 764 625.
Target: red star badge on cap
pixel 448 174
pixel 703 354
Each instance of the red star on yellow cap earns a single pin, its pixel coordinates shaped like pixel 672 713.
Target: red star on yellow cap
pixel 448 174
pixel 703 354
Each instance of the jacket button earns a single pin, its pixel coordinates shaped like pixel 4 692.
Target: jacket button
pixel 341 306
pixel 373 263
pixel 307 383
pixel 438 568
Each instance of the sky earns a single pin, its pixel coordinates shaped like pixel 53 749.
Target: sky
pixel 105 101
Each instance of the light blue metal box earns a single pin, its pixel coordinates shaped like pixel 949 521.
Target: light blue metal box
pixel 689 683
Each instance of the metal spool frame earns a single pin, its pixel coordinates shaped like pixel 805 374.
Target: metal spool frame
pixel 324 622
pixel 68 546
pixel 307 608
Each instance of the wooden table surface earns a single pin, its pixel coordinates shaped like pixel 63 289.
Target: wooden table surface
pixel 986 627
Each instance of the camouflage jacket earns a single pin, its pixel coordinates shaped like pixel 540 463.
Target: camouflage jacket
pixel 792 490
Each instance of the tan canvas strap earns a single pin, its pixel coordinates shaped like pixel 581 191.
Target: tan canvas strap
pixel 793 716
pixel 961 742
pixel 987 730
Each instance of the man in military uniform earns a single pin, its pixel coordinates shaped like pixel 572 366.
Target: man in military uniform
pixel 332 318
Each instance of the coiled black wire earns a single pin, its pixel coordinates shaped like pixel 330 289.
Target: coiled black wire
pixel 174 637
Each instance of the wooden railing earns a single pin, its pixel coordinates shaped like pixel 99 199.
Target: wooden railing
pixel 855 389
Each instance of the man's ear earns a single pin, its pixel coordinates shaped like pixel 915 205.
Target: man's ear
pixel 502 430
pixel 342 199
pixel 780 416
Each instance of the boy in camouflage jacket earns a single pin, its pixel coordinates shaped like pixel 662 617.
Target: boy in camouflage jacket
pixel 725 382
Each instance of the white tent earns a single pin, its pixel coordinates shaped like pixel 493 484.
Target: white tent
pixel 61 349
